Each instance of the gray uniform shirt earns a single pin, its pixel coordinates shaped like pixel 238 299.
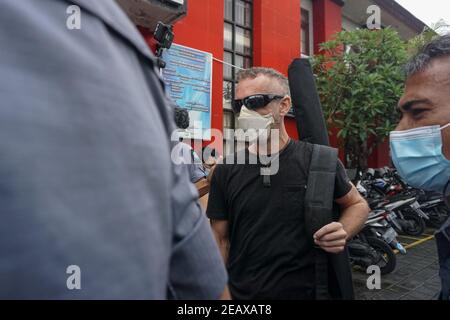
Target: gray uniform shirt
pixel 191 160
pixel 86 177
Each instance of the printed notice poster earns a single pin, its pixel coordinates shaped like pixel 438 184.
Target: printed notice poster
pixel 188 76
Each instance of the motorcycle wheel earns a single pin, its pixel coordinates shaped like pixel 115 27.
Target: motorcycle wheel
pixel 417 227
pixel 438 215
pixel 387 259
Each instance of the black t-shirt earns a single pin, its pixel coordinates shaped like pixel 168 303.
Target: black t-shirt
pixel 270 256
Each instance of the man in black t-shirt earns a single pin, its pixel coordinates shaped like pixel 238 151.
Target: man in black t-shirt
pixel 259 223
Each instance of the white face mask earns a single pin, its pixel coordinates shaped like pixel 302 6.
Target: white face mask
pixel 250 119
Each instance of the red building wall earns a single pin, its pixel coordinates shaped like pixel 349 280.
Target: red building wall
pixel 327 22
pixel 276 38
pixel 202 29
pixel 380 156
pixel 276 42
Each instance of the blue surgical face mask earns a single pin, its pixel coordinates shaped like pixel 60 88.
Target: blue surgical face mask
pixel 417 155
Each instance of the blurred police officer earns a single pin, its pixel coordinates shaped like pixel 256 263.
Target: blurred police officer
pixel 420 146
pixel 86 177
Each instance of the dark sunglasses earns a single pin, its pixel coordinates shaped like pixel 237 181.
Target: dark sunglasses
pixel 254 102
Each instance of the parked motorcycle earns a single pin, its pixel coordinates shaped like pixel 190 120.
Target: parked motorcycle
pixel 375 243
pixel 368 251
pixel 430 203
pixel 406 215
pixel 434 206
pixel 378 225
pixel 396 208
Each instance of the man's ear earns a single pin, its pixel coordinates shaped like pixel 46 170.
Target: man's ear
pixel 285 106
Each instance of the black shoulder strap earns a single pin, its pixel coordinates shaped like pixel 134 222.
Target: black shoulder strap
pixel 319 195
pixel 319 207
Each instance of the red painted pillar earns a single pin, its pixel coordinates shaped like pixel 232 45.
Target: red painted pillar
pixel 276 38
pixel 202 29
pixel 380 157
pixel 276 33
pixel 327 22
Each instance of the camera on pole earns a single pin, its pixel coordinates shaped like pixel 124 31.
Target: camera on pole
pixel 164 36
pixel 156 16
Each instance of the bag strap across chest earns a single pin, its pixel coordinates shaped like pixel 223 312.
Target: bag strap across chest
pixel 319 208
pixel 319 195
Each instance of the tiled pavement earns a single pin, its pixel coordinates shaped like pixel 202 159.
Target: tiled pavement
pixel 415 277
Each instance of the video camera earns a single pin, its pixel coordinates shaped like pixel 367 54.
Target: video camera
pixel 157 16
pixel 164 36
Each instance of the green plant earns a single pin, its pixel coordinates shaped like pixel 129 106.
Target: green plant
pixel 360 80
pixel 427 35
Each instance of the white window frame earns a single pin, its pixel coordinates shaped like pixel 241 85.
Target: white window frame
pixel 308 6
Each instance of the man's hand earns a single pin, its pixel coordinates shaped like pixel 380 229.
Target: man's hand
pixel 331 238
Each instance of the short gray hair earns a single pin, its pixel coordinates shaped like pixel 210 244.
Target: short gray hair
pixel 438 47
pixel 254 72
